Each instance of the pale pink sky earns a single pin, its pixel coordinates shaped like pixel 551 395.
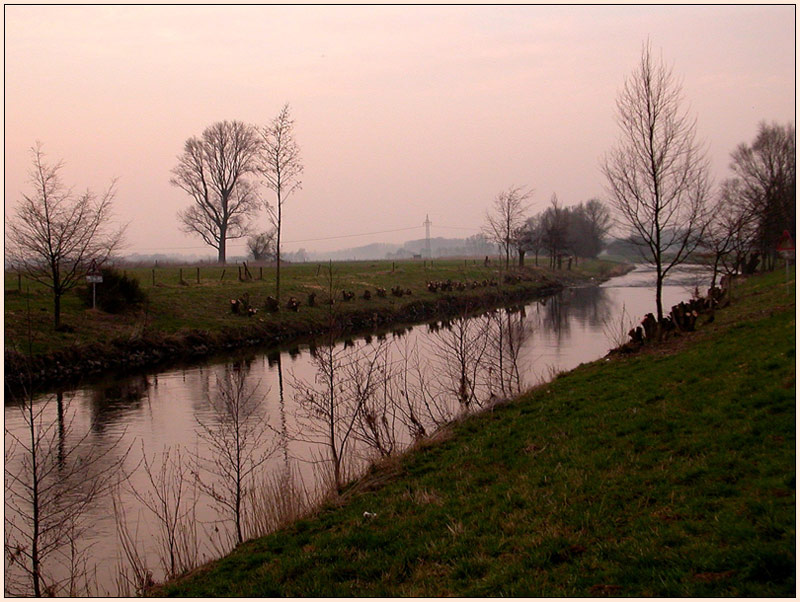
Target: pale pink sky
pixel 400 111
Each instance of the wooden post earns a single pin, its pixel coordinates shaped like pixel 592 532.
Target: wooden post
pixel 180 275
pixel 154 276
pixel 223 275
pixel 240 272
pixel 261 272
pixel 198 275
pixel 19 281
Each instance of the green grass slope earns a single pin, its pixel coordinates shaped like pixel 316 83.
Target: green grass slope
pixel 671 473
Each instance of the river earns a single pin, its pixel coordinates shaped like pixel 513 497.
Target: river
pixel 404 383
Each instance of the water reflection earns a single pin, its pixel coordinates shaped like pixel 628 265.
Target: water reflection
pixel 110 403
pixel 589 306
pixel 387 391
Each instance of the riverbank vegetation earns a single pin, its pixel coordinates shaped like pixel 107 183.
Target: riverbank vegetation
pixel 188 310
pixel 667 473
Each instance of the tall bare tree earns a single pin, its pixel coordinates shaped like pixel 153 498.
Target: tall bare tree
pixel 55 236
pixel 767 173
pixel 240 443
pixel 281 167
pixel 506 219
pixel 657 173
pixel 213 170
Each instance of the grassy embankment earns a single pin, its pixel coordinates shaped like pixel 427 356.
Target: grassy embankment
pixel 669 473
pixel 182 314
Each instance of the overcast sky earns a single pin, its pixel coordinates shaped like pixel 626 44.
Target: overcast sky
pixel 400 111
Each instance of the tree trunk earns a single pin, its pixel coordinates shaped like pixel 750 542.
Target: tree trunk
pixel 659 287
pixel 278 254
pixel 221 248
pixel 57 309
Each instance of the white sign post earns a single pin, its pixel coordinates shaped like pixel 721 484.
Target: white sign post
pixel 94 278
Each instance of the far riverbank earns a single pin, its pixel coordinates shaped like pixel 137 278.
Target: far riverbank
pixel 190 321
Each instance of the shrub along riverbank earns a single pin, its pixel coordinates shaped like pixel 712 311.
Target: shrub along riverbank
pixel 667 473
pixel 188 314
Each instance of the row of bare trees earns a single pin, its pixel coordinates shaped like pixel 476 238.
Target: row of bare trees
pixel 660 190
pixel 379 398
pixel 659 183
pixel 221 170
pixel 578 230
pixel 56 236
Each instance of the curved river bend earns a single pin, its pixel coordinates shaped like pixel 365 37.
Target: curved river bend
pixel 154 412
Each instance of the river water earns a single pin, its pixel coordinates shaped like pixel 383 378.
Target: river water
pixel 390 388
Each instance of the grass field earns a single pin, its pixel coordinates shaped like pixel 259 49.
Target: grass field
pixel 191 298
pixel 669 473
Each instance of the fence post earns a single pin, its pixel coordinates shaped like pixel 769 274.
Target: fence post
pixel 180 275
pixel 19 281
pixel 198 275
pixel 261 272
pixel 154 276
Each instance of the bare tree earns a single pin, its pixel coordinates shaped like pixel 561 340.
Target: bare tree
pixel 590 222
pixel 507 332
pixel 458 353
pixel 239 442
pixel 555 231
pixel 506 219
pixel 262 246
pixel 657 173
pixel 53 476
pixel 55 236
pixel 213 171
pixel 531 237
pixel 331 406
pixel 281 167
pixel 420 405
pixel 766 170
pixel 379 419
pixel 732 229
pixel 170 498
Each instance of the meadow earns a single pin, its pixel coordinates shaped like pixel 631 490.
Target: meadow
pixel 189 299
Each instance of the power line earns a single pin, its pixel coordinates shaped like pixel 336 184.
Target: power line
pixel 458 228
pixel 353 235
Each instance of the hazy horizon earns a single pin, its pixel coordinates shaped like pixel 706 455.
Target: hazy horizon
pixel 401 111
